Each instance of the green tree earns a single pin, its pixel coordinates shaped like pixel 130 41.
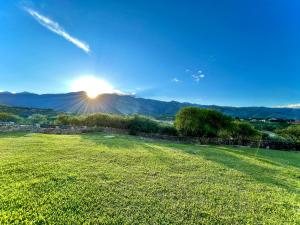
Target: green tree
pixel 63 119
pixel 244 130
pixel 143 124
pixel 292 132
pixel 38 119
pixel 8 117
pixel 193 121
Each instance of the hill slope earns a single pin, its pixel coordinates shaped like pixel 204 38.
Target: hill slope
pixel 124 180
pixel 26 111
pixel 124 104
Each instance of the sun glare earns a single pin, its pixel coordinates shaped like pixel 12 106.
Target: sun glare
pixel 92 86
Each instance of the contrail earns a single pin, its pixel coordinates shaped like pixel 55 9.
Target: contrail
pixel 56 28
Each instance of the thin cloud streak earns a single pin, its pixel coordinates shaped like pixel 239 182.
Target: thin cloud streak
pixel 56 28
pixel 293 106
pixel 175 80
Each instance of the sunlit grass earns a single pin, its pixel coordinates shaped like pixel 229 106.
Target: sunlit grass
pixel 74 179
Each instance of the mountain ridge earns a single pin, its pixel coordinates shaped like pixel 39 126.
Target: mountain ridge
pixel 78 102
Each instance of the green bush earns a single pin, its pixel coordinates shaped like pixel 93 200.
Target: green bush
pixel 145 124
pixel 168 129
pixel 106 120
pixel 63 119
pixel 8 117
pixel 38 119
pixel 142 124
pixel 269 126
pixel 292 133
pixel 193 121
pixel 244 130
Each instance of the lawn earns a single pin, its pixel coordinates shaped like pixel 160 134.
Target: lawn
pixel 99 179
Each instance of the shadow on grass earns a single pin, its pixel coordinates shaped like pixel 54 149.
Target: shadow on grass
pixel 13 134
pixel 271 174
pixel 111 140
pixel 260 169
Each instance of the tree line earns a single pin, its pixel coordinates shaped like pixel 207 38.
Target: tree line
pixel 189 121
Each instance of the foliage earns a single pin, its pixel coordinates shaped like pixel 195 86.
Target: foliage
pixel 92 179
pixel 106 120
pixel 269 126
pixel 134 124
pixel 38 119
pixel 143 124
pixel 244 130
pixel 292 133
pixel 193 121
pixel 63 119
pixel 26 112
pixel 8 117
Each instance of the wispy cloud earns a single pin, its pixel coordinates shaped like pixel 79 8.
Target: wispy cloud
pixel 175 80
pixel 56 28
pixel 198 76
pixel 289 106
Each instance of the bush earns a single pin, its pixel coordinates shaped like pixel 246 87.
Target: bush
pixel 193 121
pixel 94 120
pixel 269 126
pixel 145 124
pixel 7 117
pixel 38 119
pixel 142 124
pixel 244 130
pixel 292 133
pixel 63 119
pixel 168 129
pixel 135 123
pixel 106 120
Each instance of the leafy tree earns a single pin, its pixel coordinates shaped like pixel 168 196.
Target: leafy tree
pixel 63 119
pixel 38 119
pixel 292 132
pixel 106 120
pixel 143 124
pixel 8 117
pixel 193 121
pixel 244 130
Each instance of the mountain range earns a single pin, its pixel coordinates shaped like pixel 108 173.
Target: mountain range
pixel 78 102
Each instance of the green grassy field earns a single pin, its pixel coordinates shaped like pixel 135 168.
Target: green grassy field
pixel 94 179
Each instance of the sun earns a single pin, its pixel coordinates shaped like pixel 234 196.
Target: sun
pixel 93 86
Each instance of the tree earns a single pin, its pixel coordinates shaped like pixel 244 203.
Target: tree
pixel 63 119
pixel 8 117
pixel 243 130
pixel 292 132
pixel 38 119
pixel 193 121
pixel 143 124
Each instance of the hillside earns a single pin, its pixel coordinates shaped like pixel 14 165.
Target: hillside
pixel 100 179
pixel 77 102
pixel 26 111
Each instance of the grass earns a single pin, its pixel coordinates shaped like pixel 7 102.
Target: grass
pixel 93 179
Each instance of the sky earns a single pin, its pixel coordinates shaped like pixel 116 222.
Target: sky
pixel 237 53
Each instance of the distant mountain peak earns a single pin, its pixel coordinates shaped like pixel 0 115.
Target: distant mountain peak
pixel 77 102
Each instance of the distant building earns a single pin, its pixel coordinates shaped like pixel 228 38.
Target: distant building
pixel 7 124
pixel 277 120
pixel 295 122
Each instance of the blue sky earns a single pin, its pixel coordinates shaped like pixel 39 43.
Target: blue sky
pixel 239 53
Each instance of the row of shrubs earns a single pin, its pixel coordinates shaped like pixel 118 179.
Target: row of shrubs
pixel 189 122
pixel 134 124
